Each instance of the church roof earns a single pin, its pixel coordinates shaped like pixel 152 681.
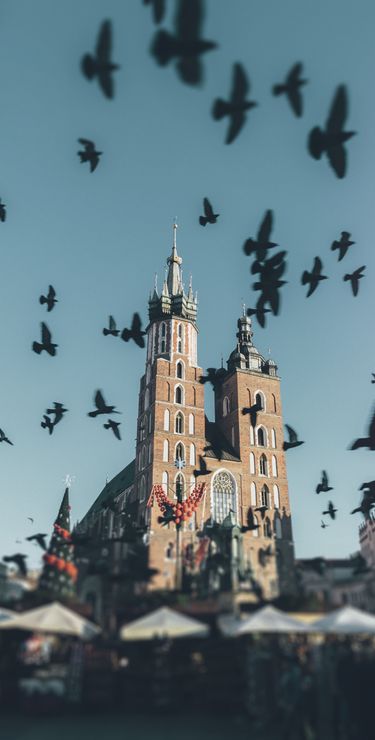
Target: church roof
pixel 114 487
pixel 215 437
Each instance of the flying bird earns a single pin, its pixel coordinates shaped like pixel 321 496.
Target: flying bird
pixel 50 299
pixel 203 469
pixel 253 412
pixel 365 507
pixel 214 376
pixel 260 313
pixel 101 406
pixel 89 154
pixel 314 277
pixel 39 538
pixel 18 559
pixel 342 244
pixel 291 88
pixel 262 241
pixel 251 524
pixel 366 441
pixel 186 45
pixel 158 9
pixel 46 343
pixel 331 511
pixel 3 213
pixel 135 332
pixel 323 486
pixel 114 425
pixel 331 140
pixel 237 105
pixel 293 439
pixel 209 216
pixel 354 278
pixel 112 329
pixel 47 423
pixel 4 438
pixel 58 411
pixel 100 65
pixel 323 524
pixel 262 510
pixel 373 378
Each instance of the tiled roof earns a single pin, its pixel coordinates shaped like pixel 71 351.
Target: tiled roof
pixel 114 487
pixel 215 436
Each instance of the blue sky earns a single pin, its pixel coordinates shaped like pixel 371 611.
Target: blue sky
pixel 100 238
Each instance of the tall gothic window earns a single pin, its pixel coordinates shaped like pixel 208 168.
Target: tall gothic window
pixel 273 438
pixel 274 466
pixel 180 481
pixel 265 497
pixel 180 338
pixel 163 334
pixel 252 463
pixel 253 494
pixel 267 529
pixel 166 420
pixel 178 394
pixel 142 489
pixel 261 437
pixel 274 403
pixel 191 423
pixel 179 370
pixel 226 406
pixel 223 496
pixel 179 423
pixel 165 450
pixel 259 400
pixel 263 466
pixel 276 496
pixel 164 481
pixel 180 451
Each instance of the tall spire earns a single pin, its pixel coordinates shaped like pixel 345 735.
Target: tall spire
pixel 174 262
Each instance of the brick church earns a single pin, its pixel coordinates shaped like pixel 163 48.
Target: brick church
pixel 246 463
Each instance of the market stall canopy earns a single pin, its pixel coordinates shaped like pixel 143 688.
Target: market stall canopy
pixel 53 618
pixel 163 622
pixel 229 624
pixel 6 614
pixel 270 619
pixel 346 620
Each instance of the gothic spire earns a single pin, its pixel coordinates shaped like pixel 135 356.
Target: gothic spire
pixel 174 272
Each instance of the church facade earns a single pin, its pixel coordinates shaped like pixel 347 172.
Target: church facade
pixel 241 458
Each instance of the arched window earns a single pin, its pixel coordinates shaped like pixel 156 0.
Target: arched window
pixel 164 481
pixel 150 423
pixel 143 457
pixel 179 369
pixel 267 529
pixel 252 463
pixel 223 496
pixel 263 466
pixel 261 435
pixel 253 494
pixel 278 529
pixel 191 423
pixel 178 394
pixel 274 409
pixel 226 406
pixel 179 423
pixel 149 452
pixel 273 438
pixel 142 489
pixel 192 454
pixel 180 484
pixel 165 450
pixel 163 334
pixel 251 434
pixel 276 496
pixel 260 400
pixel 180 452
pixel 147 398
pixel 274 466
pixel 166 420
pixel 256 531
pixel 265 497
pixel 194 396
pixel 180 338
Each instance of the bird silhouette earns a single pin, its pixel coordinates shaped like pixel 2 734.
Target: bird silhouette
pixel 89 154
pixel 135 333
pixel 262 510
pixel 114 425
pixel 260 313
pixel 323 486
pixel 46 344
pixel 100 65
pixel 39 538
pixel 203 469
pixel 271 270
pixel 101 406
pixel 209 216
pixel 214 376
pixel 323 524
pixel 18 559
pixel 237 105
pixel 293 439
pixel 251 524
pixel 168 515
pixel 354 278
pixel 291 88
pixel 368 488
pixel 262 243
pixel 3 213
pixel 30 519
pixel 47 423
pixel 313 278
pixel 50 299
pixel 331 511
pixel 331 140
pixel 373 378
pixel 58 411
pixel 365 507
pixel 253 412
pixel 158 9
pixel 186 45
pixel 4 438
pixel 342 244
pixel 112 329
pixel 366 441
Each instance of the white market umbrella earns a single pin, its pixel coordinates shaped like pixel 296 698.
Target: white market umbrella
pixel 53 618
pixel 270 619
pixel 346 620
pixel 163 622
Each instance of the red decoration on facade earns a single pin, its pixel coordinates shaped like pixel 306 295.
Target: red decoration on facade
pixel 180 512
